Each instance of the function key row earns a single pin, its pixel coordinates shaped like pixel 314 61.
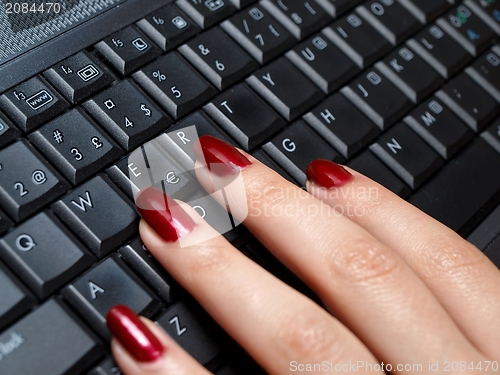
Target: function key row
pixel 35 102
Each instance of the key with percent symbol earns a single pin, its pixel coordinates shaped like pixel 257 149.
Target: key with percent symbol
pixel 176 86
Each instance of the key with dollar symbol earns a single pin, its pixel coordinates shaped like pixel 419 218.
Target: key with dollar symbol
pixel 127 114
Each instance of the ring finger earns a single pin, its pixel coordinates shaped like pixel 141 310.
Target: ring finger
pixel 274 323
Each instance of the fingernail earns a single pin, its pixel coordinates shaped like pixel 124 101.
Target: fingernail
pixel 328 174
pixel 163 214
pixel 133 334
pixel 220 157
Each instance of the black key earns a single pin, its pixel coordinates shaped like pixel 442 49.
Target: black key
pixel 341 125
pixel 240 4
pixel 76 145
pixel 108 284
pixel 439 127
pixel 464 191
pixel 99 214
pixel 440 51
pixel 127 114
pixel 265 159
pixel 168 27
pixel 151 165
pixel 143 263
pixel 467 29
pixel 297 146
pixel 409 73
pixel 128 50
pixel 106 367
pixel 32 103
pixel 425 10
pixel 407 155
pixel 245 116
pixel 301 18
pixel 377 98
pixel 259 34
pixel 493 252
pixel 16 298
pixel 8 132
pixel 336 7
pixel 215 215
pixel 44 254
pixel 206 13
pixel 192 329
pixel 488 11
pixel 174 84
pixel 390 19
pixel 218 58
pixel 285 88
pixel 469 101
pixel 263 257
pixel 180 138
pixel 78 77
pixel 358 40
pixel 372 167
pixel 487 231
pixel 121 174
pixel 27 181
pixel 314 58
pixel 486 72
pixel 492 135
pixel 49 341
pixel 5 222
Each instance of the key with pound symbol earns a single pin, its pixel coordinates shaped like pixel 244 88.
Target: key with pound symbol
pixel 78 151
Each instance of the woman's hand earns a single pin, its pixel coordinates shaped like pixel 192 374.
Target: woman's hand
pixel 399 287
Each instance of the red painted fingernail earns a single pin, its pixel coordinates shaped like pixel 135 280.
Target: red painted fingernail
pixel 133 334
pixel 163 214
pixel 220 157
pixel 328 174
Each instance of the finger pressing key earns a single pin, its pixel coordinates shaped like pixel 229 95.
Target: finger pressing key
pixel 140 347
pixel 274 323
pixel 465 282
pixel 358 278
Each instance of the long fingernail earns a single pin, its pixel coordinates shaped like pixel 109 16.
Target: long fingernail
pixel 328 174
pixel 220 157
pixel 133 334
pixel 163 214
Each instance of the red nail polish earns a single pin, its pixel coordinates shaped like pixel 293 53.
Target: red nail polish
pixel 220 157
pixel 163 214
pixel 328 174
pixel 133 334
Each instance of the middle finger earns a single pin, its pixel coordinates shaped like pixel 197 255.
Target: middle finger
pixel 357 277
pixel 274 323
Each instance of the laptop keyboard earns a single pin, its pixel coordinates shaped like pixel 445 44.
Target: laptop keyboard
pixel 404 91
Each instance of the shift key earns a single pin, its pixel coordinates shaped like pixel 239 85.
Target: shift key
pixel 465 191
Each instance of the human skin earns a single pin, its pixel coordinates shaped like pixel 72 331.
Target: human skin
pixel 397 286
